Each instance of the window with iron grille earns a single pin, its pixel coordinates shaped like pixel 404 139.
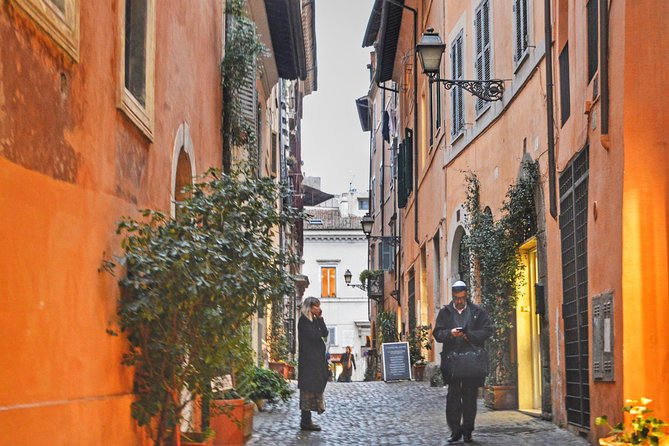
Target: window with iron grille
pixel 593 41
pixel 574 246
pixel 411 298
pixel 483 62
pixel 565 105
pixel 457 104
pixel 521 28
pixel 332 336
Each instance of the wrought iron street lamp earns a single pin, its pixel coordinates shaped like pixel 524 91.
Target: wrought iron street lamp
pixel 367 223
pixel 347 278
pixel 430 51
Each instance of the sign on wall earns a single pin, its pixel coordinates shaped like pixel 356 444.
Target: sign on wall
pixel 396 364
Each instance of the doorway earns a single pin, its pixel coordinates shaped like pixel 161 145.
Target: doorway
pixel 528 333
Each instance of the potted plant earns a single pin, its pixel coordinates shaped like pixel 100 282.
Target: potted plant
pixel 419 340
pixel 638 427
pixel 226 418
pixel 266 385
pixel 493 245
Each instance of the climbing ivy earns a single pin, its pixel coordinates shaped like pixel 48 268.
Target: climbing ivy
pixel 493 245
pixel 243 50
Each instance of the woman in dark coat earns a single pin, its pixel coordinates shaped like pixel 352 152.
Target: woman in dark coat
pixel 312 366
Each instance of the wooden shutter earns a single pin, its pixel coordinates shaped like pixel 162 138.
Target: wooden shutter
pixel 565 105
pixel 401 178
pixel 457 104
pixel 483 47
pixel 593 41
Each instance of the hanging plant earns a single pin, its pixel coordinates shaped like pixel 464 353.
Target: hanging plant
pixel 493 245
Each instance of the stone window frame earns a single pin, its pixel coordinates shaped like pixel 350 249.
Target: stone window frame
pixel 143 116
pixel 182 141
pixel 61 26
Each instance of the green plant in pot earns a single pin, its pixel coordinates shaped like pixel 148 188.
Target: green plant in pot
pixel 191 284
pixel 419 339
pixel 493 245
pixel 260 384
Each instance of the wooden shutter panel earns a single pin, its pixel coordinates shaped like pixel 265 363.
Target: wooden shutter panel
pixel 401 179
pixel 408 157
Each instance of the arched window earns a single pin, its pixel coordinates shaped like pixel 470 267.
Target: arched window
pixel 184 177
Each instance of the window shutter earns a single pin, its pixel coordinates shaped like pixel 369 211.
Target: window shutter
pixel 483 47
pixel 519 31
pixel 386 254
pixel 401 179
pixel 565 105
pixel 248 100
pixel 457 104
pixel 593 41
pixel 408 157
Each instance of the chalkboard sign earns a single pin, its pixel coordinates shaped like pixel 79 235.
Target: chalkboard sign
pixel 396 365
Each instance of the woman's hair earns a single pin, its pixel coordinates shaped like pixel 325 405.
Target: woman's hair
pixel 307 304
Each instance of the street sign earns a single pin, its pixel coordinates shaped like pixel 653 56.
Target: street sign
pixel 396 364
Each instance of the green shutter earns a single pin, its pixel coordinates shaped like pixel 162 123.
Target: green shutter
pixel 401 178
pixel 408 157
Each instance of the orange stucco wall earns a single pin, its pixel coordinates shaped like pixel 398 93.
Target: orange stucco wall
pixel 646 205
pixel 71 164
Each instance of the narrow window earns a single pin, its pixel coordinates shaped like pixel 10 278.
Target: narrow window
pixel 457 104
pixel 565 106
pixel 136 86
pixel 593 41
pixel 274 153
pixel 328 282
pixel 522 28
pixel 483 47
pixel 135 48
pixel 57 18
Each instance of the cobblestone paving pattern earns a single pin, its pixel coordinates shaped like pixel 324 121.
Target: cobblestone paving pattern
pixel 405 413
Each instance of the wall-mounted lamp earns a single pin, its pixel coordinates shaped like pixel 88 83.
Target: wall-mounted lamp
pixel 430 51
pixel 347 278
pixel 367 223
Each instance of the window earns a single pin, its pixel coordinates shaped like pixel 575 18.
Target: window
pixel 457 104
pixel 373 194
pixel 483 47
pixel 565 106
pixel 363 204
pixel 521 28
pixel 328 281
pixel 59 19
pixel 332 336
pixel 387 254
pixel 137 73
pixel 274 152
pixel 593 40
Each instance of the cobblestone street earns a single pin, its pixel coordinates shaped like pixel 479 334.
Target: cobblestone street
pixel 406 413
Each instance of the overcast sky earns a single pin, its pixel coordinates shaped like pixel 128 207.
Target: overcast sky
pixel 334 147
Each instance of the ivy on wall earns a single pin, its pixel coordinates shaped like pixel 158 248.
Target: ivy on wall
pixel 243 50
pixel 493 245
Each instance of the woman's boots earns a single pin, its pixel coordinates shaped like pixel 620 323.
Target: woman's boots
pixel 306 424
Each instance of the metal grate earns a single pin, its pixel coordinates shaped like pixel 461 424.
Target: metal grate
pixel 574 238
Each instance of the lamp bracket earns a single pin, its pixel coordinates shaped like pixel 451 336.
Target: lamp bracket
pixel 395 240
pixel 489 90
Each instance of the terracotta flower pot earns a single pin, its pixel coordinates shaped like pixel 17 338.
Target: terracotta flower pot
pixel 227 421
pixel 418 372
pixel 281 367
pixel 194 439
pixel 501 397
pixel 248 419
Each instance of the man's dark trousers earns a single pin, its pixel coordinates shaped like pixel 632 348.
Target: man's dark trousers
pixel 461 406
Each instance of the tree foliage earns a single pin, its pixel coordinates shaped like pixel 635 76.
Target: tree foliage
pixel 493 245
pixel 192 283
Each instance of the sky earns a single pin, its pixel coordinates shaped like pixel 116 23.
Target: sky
pixel 334 147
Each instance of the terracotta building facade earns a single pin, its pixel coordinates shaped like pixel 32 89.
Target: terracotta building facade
pixel 587 326
pixel 106 109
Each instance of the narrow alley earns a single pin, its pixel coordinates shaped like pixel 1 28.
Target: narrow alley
pixel 403 413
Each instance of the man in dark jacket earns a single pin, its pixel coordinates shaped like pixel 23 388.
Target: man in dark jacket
pixel 460 325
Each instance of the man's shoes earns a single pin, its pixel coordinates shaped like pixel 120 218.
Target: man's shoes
pixel 454 438
pixel 310 427
pixel 467 438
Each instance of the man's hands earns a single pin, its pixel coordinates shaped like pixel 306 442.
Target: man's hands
pixel 458 333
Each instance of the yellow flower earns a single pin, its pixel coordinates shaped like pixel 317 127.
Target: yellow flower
pixel 645 401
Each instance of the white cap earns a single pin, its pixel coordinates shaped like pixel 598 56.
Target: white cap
pixel 459 284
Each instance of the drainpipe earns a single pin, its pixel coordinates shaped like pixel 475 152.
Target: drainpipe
pixel 550 108
pixel 383 165
pixel 604 69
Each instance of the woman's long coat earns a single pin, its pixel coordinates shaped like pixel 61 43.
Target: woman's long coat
pixel 312 367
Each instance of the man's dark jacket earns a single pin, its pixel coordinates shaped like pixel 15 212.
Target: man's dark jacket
pixel 478 329
pixel 312 367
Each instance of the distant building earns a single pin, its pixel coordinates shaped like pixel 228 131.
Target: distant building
pixel 334 243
